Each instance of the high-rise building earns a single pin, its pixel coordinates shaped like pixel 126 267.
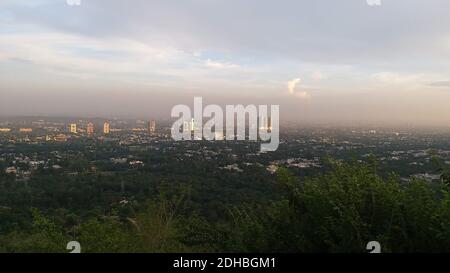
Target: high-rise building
pixel 265 123
pixel 73 128
pixel 152 127
pixel 90 128
pixel 193 125
pixel 106 128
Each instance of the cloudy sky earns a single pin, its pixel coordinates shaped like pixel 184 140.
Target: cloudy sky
pixel 321 61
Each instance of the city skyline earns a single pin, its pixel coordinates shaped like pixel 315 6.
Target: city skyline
pixel 321 61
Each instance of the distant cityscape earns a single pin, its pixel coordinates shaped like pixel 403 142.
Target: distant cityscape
pixel 60 131
pixel 131 142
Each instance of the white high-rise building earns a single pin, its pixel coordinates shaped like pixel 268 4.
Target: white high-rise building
pixel 106 128
pixel 73 128
pixel 152 126
pixel 192 125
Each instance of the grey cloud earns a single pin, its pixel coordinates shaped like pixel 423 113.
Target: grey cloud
pixel 315 31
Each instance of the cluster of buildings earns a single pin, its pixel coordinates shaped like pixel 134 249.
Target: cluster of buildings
pixel 21 130
pixel 89 128
pixel 106 128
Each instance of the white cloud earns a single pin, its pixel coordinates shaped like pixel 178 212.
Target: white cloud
pixel 114 58
pixel 396 78
pixel 86 54
pixel 292 84
pixel 69 56
pixel 218 65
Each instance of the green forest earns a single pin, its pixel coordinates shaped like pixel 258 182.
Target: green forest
pixel 336 211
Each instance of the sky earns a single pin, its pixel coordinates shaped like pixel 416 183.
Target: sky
pixel 322 61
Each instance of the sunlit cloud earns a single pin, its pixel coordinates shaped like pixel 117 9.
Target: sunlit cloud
pixel 293 84
pixel 293 89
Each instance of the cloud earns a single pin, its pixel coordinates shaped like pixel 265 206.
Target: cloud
pixel 78 53
pixel 218 65
pixel 292 84
pixel 396 78
pixel 352 33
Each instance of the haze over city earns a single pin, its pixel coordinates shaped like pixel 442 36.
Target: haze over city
pixel 321 61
